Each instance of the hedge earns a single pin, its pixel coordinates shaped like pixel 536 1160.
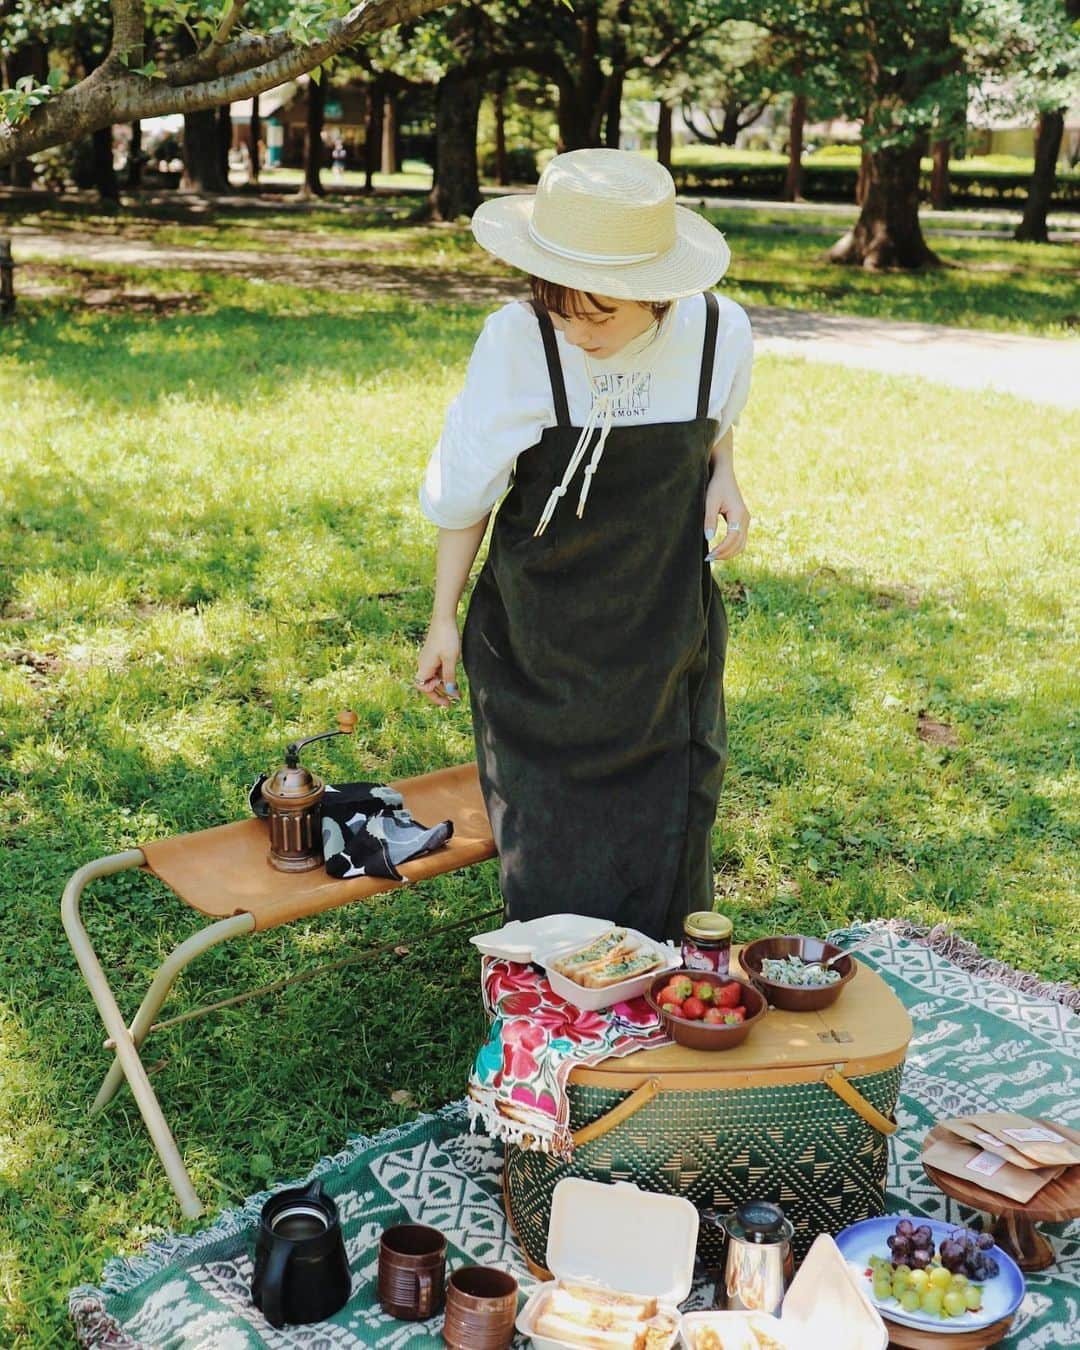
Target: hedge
pixel 835 182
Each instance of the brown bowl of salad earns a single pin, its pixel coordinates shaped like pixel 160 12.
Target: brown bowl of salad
pixel 778 966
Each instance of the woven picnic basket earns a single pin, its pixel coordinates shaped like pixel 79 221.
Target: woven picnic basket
pixel 799 1114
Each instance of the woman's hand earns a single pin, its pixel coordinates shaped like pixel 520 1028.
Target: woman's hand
pixel 436 670
pixel 724 500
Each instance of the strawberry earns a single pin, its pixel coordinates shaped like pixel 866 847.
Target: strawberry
pixel 704 990
pixel 727 995
pixel 733 1016
pixel 682 985
pixel 693 1009
pixel 670 1000
pixel 715 1016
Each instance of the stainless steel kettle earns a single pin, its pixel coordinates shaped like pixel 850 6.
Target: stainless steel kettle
pixel 759 1263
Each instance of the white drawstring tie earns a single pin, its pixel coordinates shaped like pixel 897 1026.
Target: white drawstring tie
pixel 599 414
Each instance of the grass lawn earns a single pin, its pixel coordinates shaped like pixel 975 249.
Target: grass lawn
pixel 987 283
pixel 210 542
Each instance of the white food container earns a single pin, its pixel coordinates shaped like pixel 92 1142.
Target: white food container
pixel 594 999
pixel 619 1238
pixel 519 941
pixel 824 1309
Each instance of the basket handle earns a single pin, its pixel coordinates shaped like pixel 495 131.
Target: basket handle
pixel 629 1106
pixel 848 1092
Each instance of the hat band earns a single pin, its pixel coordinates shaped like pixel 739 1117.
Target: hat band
pixel 598 259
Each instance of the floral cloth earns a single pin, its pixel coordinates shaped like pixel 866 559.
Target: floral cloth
pixel 517 1088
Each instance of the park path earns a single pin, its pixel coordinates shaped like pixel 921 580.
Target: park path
pixel 1044 370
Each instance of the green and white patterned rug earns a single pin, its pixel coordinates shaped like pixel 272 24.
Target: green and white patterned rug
pixel 980 1042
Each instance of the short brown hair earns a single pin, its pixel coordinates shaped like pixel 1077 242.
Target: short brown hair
pixel 566 302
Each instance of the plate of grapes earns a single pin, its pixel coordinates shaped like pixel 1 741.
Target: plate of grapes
pixel 935 1276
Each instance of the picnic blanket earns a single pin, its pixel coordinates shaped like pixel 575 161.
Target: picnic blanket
pixel 979 1041
pixel 517 1088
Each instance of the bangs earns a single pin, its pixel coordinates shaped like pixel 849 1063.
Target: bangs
pixel 565 301
pixel 569 303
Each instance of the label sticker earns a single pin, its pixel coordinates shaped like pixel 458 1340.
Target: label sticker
pixel 1035 1135
pixel 986 1163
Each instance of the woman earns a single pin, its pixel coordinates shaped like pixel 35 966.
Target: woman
pixel 595 637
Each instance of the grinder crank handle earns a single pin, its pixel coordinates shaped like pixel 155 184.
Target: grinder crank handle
pixel 346 725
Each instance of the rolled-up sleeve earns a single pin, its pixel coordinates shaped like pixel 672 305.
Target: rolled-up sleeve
pixel 501 410
pixel 731 369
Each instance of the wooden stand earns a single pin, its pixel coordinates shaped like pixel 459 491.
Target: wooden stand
pixel 1014 1224
pixel 913 1338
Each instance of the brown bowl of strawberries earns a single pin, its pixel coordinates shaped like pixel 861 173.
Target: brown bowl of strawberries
pixel 706 1011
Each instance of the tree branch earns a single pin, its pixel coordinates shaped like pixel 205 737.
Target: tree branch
pixel 113 94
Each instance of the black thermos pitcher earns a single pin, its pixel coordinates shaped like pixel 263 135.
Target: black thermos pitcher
pixel 301 1269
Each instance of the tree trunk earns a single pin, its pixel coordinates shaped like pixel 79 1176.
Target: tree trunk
pixel 729 131
pixel 1032 227
pixel 32 58
pixel 313 145
pixel 135 157
pixel 794 176
pixel 613 120
pixel 391 160
pixel 663 135
pixel 373 133
pixel 104 173
pixel 940 196
pixel 254 137
pixel 862 182
pixel 202 155
pixel 457 184
pixel 888 233
pixel 224 141
pixel 502 176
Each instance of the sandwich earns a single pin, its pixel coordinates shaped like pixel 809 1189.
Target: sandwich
pixel 601 1319
pixel 600 947
pixel 609 959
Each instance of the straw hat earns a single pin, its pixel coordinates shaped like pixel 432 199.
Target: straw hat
pixel 605 221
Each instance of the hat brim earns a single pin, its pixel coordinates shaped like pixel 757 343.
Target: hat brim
pixel 697 260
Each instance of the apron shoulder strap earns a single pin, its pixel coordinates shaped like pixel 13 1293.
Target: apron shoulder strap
pixel 555 374
pixel 708 353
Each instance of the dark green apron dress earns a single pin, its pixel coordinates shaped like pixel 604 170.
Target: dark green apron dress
pixel 595 656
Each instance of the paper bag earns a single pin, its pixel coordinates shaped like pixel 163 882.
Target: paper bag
pixel 1047 1144
pixel 961 1159
pixel 966 1128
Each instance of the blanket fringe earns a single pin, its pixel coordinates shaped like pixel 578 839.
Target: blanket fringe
pixel 948 943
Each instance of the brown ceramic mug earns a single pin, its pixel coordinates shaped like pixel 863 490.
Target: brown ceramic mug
pixel 481 1306
pixel 412 1271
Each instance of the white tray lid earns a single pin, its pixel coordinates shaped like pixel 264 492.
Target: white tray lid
pixel 519 941
pixel 826 1305
pixel 622 1238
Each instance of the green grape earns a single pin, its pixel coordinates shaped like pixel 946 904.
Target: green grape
pixel 882 1287
pixel 901 1278
pixel 930 1302
pixel 954 1302
pixel 940 1278
pixel 973 1298
pixel 920 1279
pixel 909 1300
pixel 959 1280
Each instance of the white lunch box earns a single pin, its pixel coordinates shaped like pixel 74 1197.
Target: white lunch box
pixel 618 1238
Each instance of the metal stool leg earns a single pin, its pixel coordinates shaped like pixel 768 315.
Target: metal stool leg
pixel 127 1053
pixel 158 992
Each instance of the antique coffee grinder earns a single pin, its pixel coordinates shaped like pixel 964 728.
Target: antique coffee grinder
pixel 294 798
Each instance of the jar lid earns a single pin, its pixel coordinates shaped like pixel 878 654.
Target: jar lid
pixel 758 1222
pixel 705 924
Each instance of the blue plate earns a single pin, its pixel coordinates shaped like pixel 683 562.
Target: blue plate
pixel 1001 1296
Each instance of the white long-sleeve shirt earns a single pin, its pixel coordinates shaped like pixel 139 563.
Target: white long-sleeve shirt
pixel 506 401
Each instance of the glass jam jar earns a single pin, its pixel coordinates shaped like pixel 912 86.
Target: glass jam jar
pixel 707 942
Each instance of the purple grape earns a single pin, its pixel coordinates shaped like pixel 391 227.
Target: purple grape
pixel 920 1259
pixel 985 1241
pixel 990 1266
pixel 923 1237
pixel 905 1228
